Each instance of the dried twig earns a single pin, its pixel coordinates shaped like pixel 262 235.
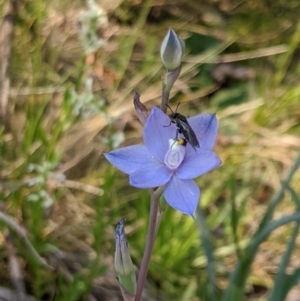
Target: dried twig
pixel 240 56
pixel 6 33
pixel 22 233
pixel 15 271
pixel 84 187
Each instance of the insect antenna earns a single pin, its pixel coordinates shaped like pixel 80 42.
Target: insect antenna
pixel 177 107
pixel 170 108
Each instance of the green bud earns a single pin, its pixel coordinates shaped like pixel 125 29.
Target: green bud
pixel 123 262
pixel 171 50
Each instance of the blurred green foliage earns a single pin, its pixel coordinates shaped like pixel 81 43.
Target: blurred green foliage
pixel 67 106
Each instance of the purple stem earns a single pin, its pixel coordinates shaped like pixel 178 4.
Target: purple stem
pixel 170 79
pixel 151 235
pixel 165 99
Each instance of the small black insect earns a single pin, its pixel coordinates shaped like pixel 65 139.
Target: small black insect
pixel 183 128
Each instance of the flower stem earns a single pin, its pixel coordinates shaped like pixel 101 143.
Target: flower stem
pixel 151 235
pixel 170 79
pixel 165 98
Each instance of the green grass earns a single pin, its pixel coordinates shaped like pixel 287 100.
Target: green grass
pixel 56 183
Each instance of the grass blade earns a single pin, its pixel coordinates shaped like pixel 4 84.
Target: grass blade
pixel 208 250
pixel 235 290
pixel 280 291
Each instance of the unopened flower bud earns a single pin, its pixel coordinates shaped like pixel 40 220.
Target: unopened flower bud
pixel 171 50
pixel 140 109
pixel 123 262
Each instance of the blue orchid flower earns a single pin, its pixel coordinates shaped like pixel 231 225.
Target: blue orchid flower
pixel 164 161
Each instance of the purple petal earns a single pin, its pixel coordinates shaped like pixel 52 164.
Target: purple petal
pixel 205 127
pixel 182 195
pixel 149 177
pixel 131 158
pixel 157 133
pixel 197 163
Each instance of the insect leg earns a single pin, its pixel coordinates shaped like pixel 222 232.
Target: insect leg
pixel 176 137
pixel 168 125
